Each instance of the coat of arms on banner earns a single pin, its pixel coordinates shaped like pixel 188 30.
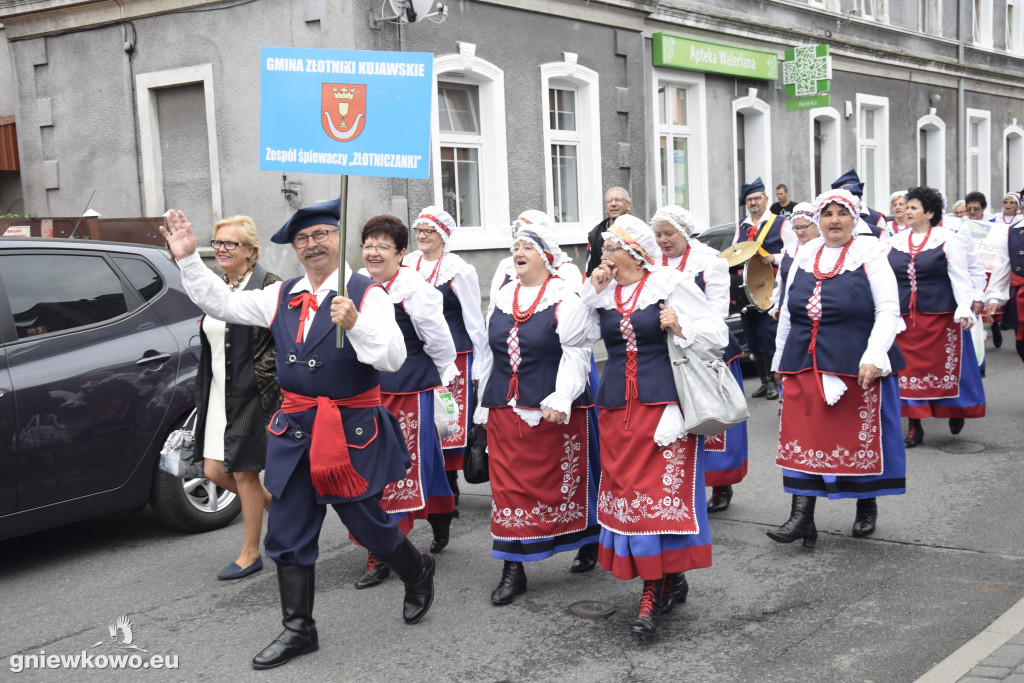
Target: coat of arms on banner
pixel 344 110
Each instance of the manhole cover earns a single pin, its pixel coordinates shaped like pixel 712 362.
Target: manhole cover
pixel 963 447
pixel 591 609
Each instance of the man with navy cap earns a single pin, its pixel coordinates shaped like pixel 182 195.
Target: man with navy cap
pixel 332 442
pixel 870 220
pixel 773 232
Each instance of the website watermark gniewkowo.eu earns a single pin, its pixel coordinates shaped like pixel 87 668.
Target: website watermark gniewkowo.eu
pixel 126 655
pixel 90 660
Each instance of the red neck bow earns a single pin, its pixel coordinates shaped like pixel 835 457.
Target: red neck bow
pixel 307 301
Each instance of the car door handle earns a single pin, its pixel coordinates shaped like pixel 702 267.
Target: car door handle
pixel 155 358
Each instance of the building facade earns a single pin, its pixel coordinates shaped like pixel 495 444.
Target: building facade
pixel 147 104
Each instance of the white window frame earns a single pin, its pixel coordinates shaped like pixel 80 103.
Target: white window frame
pixel 983 152
pixel 935 139
pixel 1013 151
pixel 981 22
pixel 757 133
pixel 494 199
pixel 1015 28
pixel 879 194
pixel 146 86
pixel 696 134
pixel 584 82
pixel 831 149
pixel 927 13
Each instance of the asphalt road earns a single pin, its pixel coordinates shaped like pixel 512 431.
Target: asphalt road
pixel 947 559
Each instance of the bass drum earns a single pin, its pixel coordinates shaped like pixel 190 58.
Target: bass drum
pixel 758 283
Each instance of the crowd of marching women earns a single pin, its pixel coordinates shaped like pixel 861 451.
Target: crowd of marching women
pixel 865 321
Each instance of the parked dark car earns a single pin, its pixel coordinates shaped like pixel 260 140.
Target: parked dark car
pixel 98 357
pixel 718 238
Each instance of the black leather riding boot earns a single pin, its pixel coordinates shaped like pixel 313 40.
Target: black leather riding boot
pixel 296 585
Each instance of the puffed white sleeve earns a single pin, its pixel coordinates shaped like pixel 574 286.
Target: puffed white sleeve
pixel 886 295
pixel 590 297
pixel 376 337
pixel 577 331
pixel 572 276
pixel 716 285
pixel 974 267
pixel 425 307
pixel 210 293
pixel 999 284
pixel 959 276
pixel 496 281
pixel 482 377
pixel 466 286
pixel 697 319
pixel 788 237
pixel 782 330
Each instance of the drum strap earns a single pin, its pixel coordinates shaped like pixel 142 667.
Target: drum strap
pixel 763 234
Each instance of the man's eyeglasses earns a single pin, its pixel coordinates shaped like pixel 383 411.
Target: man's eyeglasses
pixel 756 199
pixel 226 244
pixel 424 232
pixel 320 237
pixel 379 248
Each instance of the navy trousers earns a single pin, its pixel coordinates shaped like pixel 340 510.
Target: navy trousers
pixel 293 527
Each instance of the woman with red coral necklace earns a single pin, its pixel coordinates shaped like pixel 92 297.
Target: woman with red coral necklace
pixel 534 401
pixel 942 378
pixel 725 461
pixel 459 285
pixel 836 355
pixel 651 503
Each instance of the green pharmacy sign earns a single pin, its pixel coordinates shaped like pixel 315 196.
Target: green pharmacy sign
pixel 802 103
pixel 807 70
pixel 700 55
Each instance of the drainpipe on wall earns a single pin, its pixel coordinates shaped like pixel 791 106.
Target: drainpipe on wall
pixel 961 108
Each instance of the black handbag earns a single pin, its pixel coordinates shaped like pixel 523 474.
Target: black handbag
pixel 475 465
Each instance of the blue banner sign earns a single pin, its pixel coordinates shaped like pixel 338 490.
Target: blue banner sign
pixel 345 112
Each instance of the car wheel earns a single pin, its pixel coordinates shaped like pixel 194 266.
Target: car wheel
pixel 192 504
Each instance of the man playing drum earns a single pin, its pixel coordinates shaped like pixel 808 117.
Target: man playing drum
pixel 773 233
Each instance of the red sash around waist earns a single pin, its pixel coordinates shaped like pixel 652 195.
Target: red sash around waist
pixel 330 467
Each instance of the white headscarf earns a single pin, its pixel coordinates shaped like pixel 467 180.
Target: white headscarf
pixel 635 237
pixel 534 228
pixel 438 219
pixel 844 197
pixel 805 210
pixel 678 217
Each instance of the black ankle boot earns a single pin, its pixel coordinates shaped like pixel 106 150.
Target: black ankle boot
pixel 453 482
pixel 416 570
pixel 867 515
pixel 374 574
pixel 441 523
pixel 511 584
pixel 915 434
pixel 674 590
pixel 721 496
pixel 997 335
pixel 956 425
pixel 762 373
pixel 646 617
pixel 585 560
pixel 296 585
pixel 800 523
